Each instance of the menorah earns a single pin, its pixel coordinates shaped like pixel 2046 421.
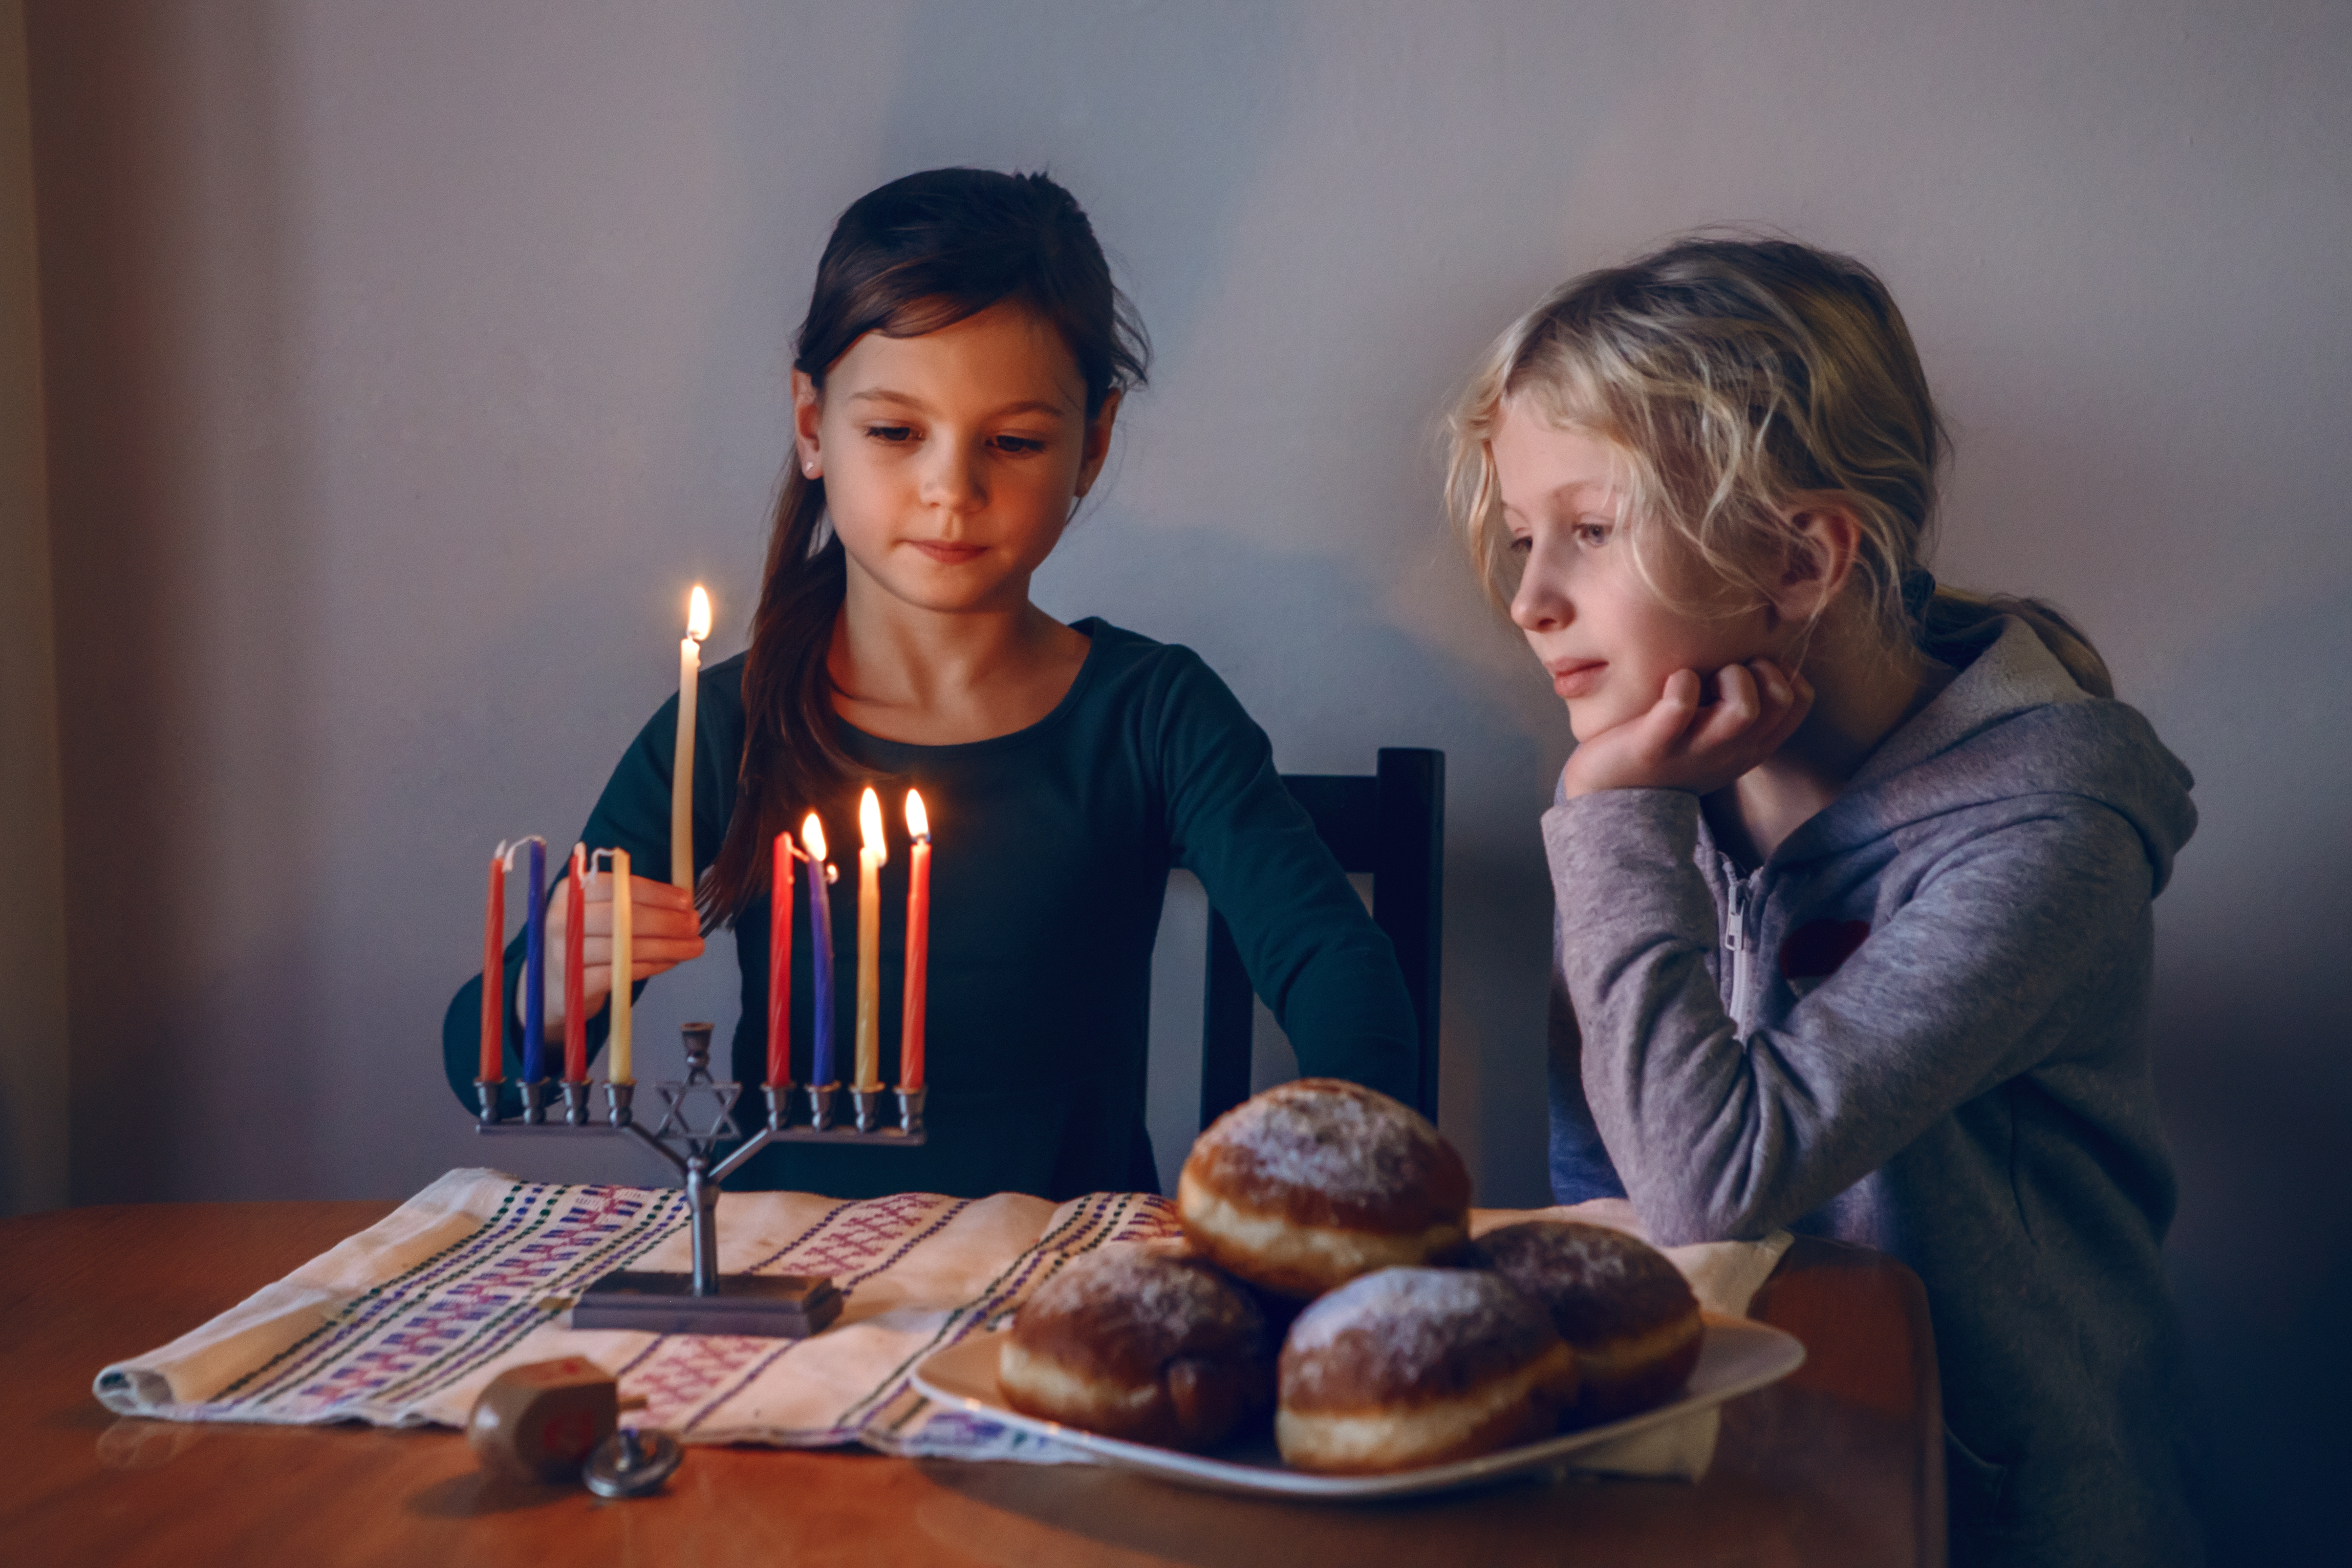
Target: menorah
pixel 699 1113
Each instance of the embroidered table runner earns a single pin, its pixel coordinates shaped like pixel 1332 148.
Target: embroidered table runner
pixel 404 1323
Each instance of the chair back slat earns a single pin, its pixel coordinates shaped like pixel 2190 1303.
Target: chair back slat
pixel 1391 824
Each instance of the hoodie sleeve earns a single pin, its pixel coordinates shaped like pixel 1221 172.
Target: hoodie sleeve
pixel 2003 942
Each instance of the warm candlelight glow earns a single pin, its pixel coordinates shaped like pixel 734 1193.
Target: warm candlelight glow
pixel 918 824
pixel 813 838
pixel 869 826
pixel 698 614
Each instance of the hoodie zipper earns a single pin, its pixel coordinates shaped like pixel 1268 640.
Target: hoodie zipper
pixel 1739 904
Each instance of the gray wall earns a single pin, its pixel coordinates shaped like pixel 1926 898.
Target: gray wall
pixel 407 360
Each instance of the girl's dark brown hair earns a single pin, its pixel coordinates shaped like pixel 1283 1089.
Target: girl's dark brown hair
pixel 913 256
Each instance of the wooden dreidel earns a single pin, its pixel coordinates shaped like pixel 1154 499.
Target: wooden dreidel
pixel 539 1422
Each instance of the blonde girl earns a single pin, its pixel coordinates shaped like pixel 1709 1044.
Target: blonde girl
pixel 1853 871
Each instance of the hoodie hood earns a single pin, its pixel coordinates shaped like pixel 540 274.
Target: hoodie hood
pixel 2011 724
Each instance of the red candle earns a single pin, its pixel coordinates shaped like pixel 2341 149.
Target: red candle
pixel 576 932
pixel 919 945
pixel 494 969
pixel 779 965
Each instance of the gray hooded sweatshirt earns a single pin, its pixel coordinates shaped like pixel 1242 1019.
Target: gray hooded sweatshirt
pixel 1918 1026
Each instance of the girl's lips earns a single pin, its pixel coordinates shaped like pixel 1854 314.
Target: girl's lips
pixel 949 554
pixel 1576 680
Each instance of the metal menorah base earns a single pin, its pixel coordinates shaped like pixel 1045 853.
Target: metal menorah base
pixel 769 1306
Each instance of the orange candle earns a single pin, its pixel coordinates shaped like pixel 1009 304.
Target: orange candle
pixel 575 988
pixel 919 945
pixel 870 856
pixel 779 965
pixel 494 970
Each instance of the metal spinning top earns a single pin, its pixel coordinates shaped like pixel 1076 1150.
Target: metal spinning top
pixel 632 1463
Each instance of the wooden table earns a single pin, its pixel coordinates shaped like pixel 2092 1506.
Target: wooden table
pixel 1842 1463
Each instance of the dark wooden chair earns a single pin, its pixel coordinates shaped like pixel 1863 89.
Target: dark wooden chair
pixel 1390 823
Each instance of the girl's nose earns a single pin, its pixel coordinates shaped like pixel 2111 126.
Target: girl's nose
pixel 951 479
pixel 1539 605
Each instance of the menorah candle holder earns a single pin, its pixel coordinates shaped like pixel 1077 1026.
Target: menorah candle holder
pixel 703 1301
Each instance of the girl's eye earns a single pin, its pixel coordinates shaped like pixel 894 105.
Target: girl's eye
pixel 1591 535
pixel 1019 444
pixel 1521 544
pixel 896 435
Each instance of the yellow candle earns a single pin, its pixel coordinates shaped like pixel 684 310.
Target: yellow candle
pixel 869 943
pixel 619 1065
pixel 681 779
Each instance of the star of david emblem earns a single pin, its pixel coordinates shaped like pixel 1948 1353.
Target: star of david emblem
pixel 683 1104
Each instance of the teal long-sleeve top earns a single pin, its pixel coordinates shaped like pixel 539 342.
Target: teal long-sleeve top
pixel 1052 848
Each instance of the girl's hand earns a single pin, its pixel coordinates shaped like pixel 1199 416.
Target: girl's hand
pixel 1680 745
pixel 664 932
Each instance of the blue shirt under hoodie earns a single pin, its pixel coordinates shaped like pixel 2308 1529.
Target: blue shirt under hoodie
pixel 1918 1026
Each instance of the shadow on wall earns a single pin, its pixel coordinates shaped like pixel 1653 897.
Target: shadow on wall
pixel 1183 132
pixel 175 487
pixel 2255 1082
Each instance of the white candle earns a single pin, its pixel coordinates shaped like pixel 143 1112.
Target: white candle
pixel 681 782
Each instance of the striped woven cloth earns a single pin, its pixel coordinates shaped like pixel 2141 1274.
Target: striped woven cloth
pixel 404 1323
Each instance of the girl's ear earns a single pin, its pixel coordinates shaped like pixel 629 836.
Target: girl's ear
pixel 1098 444
pixel 1822 539
pixel 808 412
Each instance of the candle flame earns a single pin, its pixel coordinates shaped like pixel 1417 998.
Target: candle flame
pixel 918 821
pixel 870 825
pixel 698 614
pixel 813 838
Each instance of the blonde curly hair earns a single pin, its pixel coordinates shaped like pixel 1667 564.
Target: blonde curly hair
pixel 1735 376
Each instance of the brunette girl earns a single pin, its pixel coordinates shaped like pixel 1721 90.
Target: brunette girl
pixel 955 387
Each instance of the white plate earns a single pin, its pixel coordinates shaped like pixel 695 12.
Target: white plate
pixel 1736 1357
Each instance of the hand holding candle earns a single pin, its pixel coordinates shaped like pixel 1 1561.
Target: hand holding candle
pixel 919 945
pixel 664 931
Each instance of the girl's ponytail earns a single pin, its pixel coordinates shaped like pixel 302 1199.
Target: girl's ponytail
pixel 793 751
pixel 1953 616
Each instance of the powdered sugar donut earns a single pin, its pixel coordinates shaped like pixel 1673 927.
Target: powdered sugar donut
pixel 1409 1367
pixel 1140 1344
pixel 1312 1183
pixel 1623 1307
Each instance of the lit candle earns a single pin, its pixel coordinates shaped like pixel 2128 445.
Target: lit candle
pixel 820 955
pixel 918 943
pixel 534 962
pixel 575 993
pixel 779 965
pixel 871 853
pixel 618 1066
pixel 494 969
pixel 681 780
